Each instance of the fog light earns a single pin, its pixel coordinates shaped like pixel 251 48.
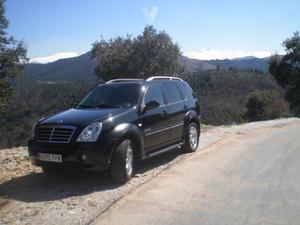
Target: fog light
pixel 83 157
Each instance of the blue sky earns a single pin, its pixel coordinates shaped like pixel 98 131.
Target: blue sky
pixel 200 27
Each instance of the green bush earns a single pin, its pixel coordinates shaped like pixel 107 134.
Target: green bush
pixel 264 105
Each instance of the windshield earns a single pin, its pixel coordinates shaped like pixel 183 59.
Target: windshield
pixel 112 95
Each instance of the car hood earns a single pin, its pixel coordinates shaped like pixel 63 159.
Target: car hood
pixel 82 117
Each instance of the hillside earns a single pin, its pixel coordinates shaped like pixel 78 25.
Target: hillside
pixel 195 65
pixel 222 94
pixel 242 63
pixel 71 69
pixel 81 68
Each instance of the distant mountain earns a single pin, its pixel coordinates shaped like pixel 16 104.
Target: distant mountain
pixel 81 68
pixel 242 63
pixel 70 69
pixel 244 58
pixel 195 65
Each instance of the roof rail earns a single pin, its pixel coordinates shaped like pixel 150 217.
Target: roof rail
pixel 122 80
pixel 163 78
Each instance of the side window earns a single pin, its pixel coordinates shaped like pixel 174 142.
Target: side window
pixel 186 90
pixel 171 92
pixel 154 93
pixel 183 89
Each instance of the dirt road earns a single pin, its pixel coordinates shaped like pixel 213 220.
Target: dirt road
pixel 247 178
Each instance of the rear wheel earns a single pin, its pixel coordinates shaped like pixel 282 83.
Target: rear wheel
pixel 122 162
pixel 191 138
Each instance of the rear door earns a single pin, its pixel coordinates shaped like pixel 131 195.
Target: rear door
pixel 155 121
pixel 177 109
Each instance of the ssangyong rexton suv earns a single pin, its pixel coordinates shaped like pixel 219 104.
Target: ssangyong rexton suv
pixel 117 123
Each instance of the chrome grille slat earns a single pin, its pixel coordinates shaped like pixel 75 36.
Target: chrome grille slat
pixel 54 136
pixel 62 130
pixel 55 133
pixel 66 134
pixel 58 131
pixel 61 135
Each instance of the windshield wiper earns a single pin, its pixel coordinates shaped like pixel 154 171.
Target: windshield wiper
pixel 97 106
pixel 84 106
pixel 107 106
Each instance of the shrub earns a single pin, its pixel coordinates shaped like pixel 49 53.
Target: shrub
pixel 264 105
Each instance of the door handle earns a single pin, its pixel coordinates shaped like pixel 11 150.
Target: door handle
pixel 164 113
pixel 184 107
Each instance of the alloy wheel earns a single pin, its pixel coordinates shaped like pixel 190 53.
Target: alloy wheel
pixel 193 137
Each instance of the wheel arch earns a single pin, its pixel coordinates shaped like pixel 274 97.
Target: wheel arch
pixel 133 133
pixel 190 116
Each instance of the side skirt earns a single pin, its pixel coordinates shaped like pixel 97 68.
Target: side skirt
pixel 163 150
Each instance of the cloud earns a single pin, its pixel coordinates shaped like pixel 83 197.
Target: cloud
pixel 208 54
pixel 150 13
pixel 54 57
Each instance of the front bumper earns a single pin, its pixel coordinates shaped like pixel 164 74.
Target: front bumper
pixel 91 156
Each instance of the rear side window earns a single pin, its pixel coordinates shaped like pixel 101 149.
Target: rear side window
pixel 185 90
pixel 171 92
pixel 154 93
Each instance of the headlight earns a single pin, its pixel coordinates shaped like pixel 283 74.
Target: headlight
pixel 90 133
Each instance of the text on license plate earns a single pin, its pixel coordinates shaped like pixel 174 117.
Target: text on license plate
pixel 49 157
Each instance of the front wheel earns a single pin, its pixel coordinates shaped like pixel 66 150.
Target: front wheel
pixel 191 140
pixel 122 162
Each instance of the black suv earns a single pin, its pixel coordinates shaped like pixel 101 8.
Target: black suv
pixel 117 123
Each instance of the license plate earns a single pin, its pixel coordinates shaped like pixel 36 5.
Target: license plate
pixel 49 157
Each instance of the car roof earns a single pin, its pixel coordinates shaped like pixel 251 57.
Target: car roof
pixel 155 79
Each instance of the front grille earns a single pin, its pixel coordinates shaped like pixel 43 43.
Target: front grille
pixel 55 134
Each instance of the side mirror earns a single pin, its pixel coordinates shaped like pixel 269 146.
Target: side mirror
pixel 151 105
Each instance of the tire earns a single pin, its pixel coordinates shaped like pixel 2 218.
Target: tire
pixel 48 170
pixel 191 140
pixel 121 168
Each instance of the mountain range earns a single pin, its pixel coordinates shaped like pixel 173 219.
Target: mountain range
pixel 81 68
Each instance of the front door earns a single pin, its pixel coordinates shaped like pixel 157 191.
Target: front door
pixel 155 121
